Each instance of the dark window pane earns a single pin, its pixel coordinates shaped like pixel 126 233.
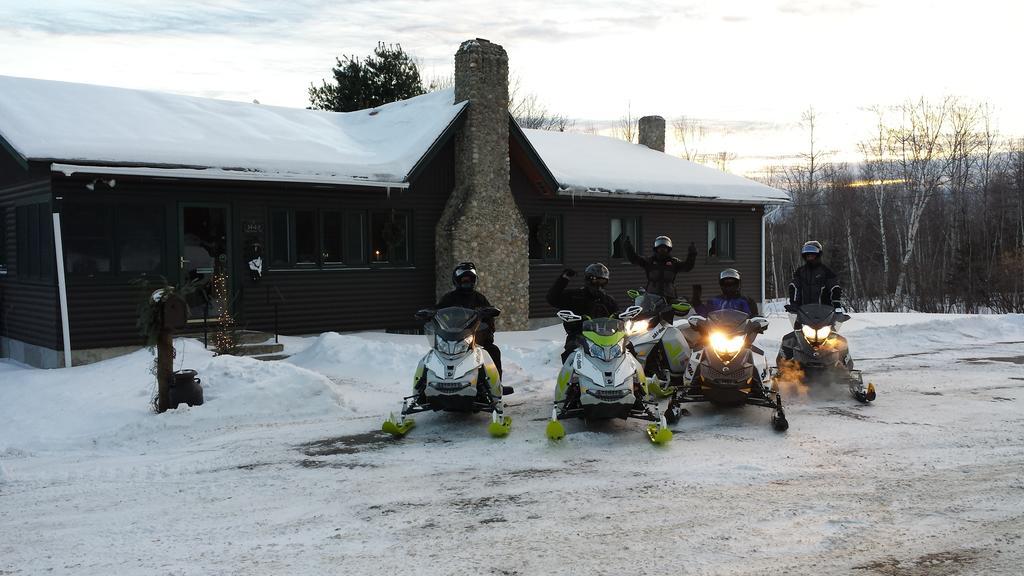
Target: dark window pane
pixel 355 247
pixel 545 242
pixel 331 235
pixel 305 237
pixel 140 255
pixel 279 247
pixel 616 238
pixel 712 238
pixel 140 238
pixel 389 237
pixel 726 248
pixel 88 256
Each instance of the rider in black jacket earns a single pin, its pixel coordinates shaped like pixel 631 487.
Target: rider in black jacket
pixel 590 301
pixel 661 268
pixel 465 295
pixel 813 283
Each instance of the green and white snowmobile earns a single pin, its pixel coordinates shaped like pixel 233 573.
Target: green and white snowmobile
pixel 601 379
pixel 722 371
pixel 456 375
pixel 659 345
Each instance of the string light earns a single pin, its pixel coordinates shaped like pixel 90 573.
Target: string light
pixel 223 338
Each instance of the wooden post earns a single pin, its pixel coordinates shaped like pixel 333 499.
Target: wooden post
pixel 164 368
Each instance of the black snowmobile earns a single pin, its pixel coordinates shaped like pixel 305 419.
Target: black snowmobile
pixel 722 371
pixel 817 354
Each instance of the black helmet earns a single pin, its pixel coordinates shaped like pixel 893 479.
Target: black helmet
pixel 461 273
pixel 662 241
pixel 596 275
pixel 811 247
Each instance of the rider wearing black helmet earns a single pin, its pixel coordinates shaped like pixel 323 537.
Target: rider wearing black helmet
pixel 661 268
pixel 465 295
pixel 590 301
pixel 813 283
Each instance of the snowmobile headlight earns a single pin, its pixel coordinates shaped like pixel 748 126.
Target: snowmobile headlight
pixel 453 347
pixel 818 335
pixel 605 352
pixel 725 345
pixel 638 327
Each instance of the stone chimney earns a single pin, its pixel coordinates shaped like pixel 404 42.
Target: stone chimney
pixel 652 132
pixel 481 222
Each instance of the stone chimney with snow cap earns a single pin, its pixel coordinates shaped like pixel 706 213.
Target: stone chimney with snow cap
pixel 652 132
pixel 481 222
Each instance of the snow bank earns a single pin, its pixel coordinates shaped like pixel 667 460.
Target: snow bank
pixel 109 401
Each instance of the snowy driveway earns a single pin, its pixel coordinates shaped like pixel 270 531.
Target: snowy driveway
pixel 282 472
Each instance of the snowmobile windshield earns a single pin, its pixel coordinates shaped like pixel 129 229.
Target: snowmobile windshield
pixel 728 320
pixel 604 331
pixel 816 315
pixel 454 323
pixel 652 304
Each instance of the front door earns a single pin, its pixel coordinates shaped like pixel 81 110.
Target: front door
pixel 203 251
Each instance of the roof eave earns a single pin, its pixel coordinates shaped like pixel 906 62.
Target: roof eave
pixel 437 144
pixel 531 153
pixel 205 173
pixel 592 193
pixel 19 158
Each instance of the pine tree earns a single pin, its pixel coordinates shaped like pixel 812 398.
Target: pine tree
pixel 386 76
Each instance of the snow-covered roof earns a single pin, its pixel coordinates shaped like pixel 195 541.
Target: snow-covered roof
pixel 585 164
pixel 81 125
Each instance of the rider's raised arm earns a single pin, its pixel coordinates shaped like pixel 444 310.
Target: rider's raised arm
pixel 556 294
pixel 691 259
pixel 631 254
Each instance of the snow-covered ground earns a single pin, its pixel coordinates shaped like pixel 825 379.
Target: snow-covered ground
pixel 282 471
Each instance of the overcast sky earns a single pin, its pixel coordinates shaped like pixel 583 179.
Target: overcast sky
pixel 749 67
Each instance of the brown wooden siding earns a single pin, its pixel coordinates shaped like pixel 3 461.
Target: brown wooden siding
pixel 28 307
pixel 103 309
pixel 586 238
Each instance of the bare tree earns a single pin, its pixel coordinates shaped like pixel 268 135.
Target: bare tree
pixel 691 134
pixel 530 112
pixel 628 128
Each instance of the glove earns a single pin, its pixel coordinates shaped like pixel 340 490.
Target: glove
pixel 568 273
pixel 790 308
pixel 692 250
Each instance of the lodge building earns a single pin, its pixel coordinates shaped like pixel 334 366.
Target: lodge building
pixel 354 219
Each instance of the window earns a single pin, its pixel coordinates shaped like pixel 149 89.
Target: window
pixel 3 240
pixel 389 237
pixel 545 238
pixel 355 235
pixel 305 237
pixel 622 228
pixel 139 238
pixel 34 226
pixel 280 235
pixel 331 245
pixel 721 239
pixel 102 238
pixel 327 238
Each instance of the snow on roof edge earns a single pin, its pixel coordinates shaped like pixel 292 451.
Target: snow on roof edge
pixel 220 174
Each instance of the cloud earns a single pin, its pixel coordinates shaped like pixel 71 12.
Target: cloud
pixel 816 7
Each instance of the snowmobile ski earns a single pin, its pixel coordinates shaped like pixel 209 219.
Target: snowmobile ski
pixel 500 426
pixel 397 428
pixel 555 430
pixel 659 433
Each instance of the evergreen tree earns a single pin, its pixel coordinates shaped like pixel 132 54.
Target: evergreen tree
pixel 386 76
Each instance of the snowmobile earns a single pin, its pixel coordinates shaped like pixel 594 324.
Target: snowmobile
pixel 818 354
pixel 659 345
pixel 723 371
pixel 456 375
pixel 601 379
